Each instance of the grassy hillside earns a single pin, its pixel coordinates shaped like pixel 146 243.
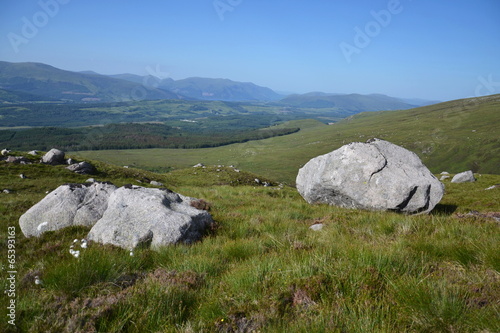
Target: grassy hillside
pixel 7 97
pixel 453 136
pixel 262 268
pixel 353 103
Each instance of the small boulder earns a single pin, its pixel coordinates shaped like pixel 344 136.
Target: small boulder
pixel 5 152
pixel 82 168
pixel 18 160
pixel 138 215
pixel 444 177
pixel 317 226
pixel 33 152
pixel 376 175
pixel 54 157
pixel 68 205
pixel 155 183
pixel 463 177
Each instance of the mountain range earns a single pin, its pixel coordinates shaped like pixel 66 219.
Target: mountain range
pixel 28 82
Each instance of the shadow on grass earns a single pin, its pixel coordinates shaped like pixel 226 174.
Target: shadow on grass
pixel 443 209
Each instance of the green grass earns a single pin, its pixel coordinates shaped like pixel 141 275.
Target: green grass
pixel 262 268
pixel 454 136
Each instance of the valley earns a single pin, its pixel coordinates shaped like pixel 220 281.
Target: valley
pixel 451 136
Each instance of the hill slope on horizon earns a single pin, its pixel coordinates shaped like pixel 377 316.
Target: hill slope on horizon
pixel 452 136
pixel 219 89
pixel 53 83
pixel 353 103
pixel 209 89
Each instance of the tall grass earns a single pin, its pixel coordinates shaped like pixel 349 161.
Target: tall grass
pixel 263 269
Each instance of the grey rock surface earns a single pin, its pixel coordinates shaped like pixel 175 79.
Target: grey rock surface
pixel 463 177
pixel 376 175
pixel 68 205
pixel 18 159
pixel 82 168
pixel 54 157
pixel 138 215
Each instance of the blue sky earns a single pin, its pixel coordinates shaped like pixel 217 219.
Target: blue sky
pixel 431 49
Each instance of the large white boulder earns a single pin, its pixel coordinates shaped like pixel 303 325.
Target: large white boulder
pixel 68 205
pixel 138 215
pixel 127 216
pixel 376 175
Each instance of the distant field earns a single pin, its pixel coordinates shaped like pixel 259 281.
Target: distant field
pixel 139 135
pixel 172 111
pixel 452 136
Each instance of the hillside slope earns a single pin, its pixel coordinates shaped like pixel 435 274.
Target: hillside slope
pixel 452 136
pixel 54 83
pixel 353 103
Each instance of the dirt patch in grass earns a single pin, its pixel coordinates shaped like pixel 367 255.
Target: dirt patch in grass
pixel 187 279
pixel 477 215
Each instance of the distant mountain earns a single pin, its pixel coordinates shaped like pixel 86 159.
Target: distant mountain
pixel 148 81
pixel 208 89
pixel 220 89
pixel 352 102
pixel 53 83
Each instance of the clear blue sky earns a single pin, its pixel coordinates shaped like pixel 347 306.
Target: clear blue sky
pixel 432 49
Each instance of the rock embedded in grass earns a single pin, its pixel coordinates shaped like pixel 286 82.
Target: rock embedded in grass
pixel 82 168
pixel 126 217
pixel 463 177
pixel 68 205
pixel 138 215
pixel 54 157
pixel 376 175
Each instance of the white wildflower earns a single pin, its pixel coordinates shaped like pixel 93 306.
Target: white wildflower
pixel 38 281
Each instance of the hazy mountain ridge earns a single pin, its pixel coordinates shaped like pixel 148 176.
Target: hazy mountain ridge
pixel 220 89
pixel 88 86
pixel 53 83
pixel 350 102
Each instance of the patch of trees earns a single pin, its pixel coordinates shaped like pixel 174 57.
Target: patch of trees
pixel 129 136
